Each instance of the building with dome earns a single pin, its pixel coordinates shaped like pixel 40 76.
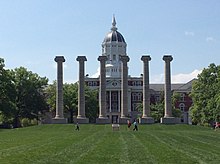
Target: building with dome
pixel 114 47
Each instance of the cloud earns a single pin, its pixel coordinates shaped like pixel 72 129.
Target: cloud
pixel 184 78
pixel 189 33
pixel 210 39
pixel 178 78
pixel 96 74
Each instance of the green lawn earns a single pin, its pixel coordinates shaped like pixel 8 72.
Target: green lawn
pixel 99 144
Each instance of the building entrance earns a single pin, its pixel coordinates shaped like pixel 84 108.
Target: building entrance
pixel 115 119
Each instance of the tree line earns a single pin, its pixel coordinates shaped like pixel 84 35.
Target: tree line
pixel 25 96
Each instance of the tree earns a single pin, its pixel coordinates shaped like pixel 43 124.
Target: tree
pixel 206 96
pixel 70 100
pixel 176 112
pixel 21 94
pixel 29 99
pixel 157 109
pixel 50 92
pixel 7 96
pixel 92 104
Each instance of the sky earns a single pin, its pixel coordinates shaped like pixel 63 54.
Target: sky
pixel 33 32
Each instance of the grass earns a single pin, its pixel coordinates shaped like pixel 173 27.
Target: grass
pixel 99 144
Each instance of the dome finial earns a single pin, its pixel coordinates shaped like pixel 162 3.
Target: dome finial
pixel 114 28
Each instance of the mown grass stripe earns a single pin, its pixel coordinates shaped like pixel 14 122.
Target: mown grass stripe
pixel 99 144
pixel 193 150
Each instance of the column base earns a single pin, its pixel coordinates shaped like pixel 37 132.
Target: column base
pixel 146 120
pixel 59 121
pixel 82 120
pixel 170 120
pixel 102 120
pixel 124 120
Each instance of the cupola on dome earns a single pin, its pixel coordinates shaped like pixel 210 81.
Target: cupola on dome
pixel 114 35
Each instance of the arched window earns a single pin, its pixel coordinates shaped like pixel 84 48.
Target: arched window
pixel 137 96
pixel 182 107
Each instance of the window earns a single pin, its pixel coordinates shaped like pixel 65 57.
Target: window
pixel 114 83
pixel 114 107
pixel 182 107
pixel 182 97
pixel 137 96
pixel 157 97
pixel 136 106
pixel 114 57
pixel 114 96
pixel 136 83
pixel 92 83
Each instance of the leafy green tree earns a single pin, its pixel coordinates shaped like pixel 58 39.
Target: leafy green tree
pixel 157 110
pixel 92 104
pixel 21 94
pixel 50 92
pixel 176 112
pixel 7 96
pixel 29 99
pixel 206 96
pixel 70 100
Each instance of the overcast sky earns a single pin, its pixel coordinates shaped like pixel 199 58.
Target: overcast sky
pixel 33 32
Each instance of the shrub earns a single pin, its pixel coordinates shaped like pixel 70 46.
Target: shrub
pixel 25 122
pixel 34 122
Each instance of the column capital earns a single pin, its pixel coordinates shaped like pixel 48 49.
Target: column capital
pixel 59 59
pixel 102 58
pixel 81 58
pixel 124 59
pixel 146 58
pixel 167 58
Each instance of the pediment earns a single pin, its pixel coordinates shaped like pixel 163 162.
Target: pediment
pixel 113 83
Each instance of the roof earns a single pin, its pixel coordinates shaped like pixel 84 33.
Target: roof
pixel 114 35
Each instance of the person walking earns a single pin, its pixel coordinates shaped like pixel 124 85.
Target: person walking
pixel 77 126
pixel 135 126
pixel 129 124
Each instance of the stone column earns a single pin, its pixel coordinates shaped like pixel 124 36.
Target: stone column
pixel 146 92
pixel 168 119
pixel 102 92
pixel 124 90
pixel 59 119
pixel 81 118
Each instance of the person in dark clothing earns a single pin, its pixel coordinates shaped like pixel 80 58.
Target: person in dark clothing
pixel 77 126
pixel 135 126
